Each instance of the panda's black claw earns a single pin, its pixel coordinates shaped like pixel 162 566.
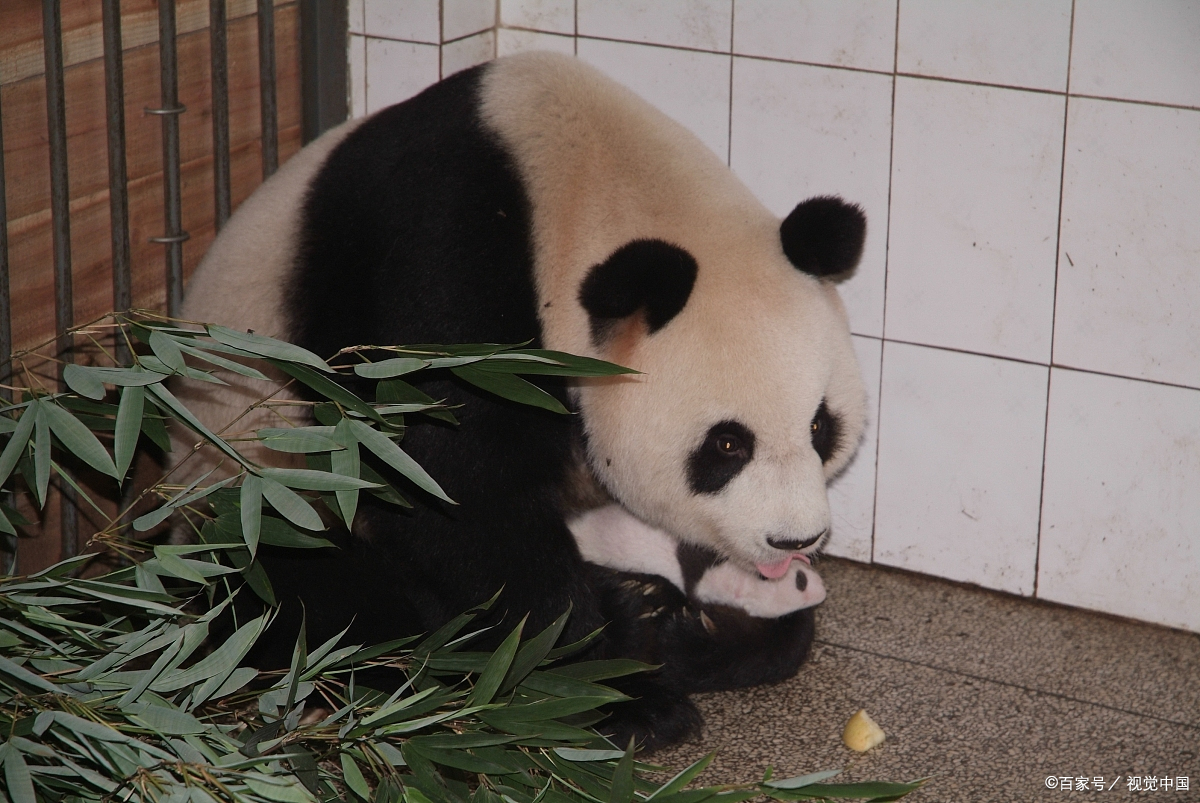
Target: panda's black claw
pixel 656 717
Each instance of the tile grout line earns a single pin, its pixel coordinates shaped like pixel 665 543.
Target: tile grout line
pixel 729 129
pixel 1009 684
pixel 1058 250
pixel 887 242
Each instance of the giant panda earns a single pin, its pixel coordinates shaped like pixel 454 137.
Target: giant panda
pixel 534 199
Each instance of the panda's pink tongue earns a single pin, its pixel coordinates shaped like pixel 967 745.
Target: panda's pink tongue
pixel 773 571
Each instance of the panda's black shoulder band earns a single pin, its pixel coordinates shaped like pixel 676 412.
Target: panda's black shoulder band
pixel 824 236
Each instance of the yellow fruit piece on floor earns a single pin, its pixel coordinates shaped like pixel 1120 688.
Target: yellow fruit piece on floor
pixel 862 733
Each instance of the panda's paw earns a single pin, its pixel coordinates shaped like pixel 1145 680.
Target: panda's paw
pixel 726 584
pixel 655 718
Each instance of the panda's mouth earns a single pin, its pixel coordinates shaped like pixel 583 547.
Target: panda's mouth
pixel 773 571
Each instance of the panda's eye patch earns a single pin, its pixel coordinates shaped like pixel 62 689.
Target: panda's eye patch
pixel 725 450
pixel 825 431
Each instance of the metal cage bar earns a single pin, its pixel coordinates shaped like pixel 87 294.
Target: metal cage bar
pixel 323 30
pixel 118 180
pixel 170 110
pixel 6 343
pixel 64 315
pixel 219 58
pixel 266 87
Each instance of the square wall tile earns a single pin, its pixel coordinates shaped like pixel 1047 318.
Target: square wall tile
pixel 510 40
pixel 553 16
pixel 1121 516
pixel 800 131
pixel 1023 43
pixel 852 493
pixel 974 217
pixel 699 24
pixel 463 53
pixel 691 87
pixel 1128 279
pixel 356 16
pixel 1138 51
pixel 842 33
pixel 356 57
pixel 412 20
pixel 960 466
pixel 464 17
pixel 398 70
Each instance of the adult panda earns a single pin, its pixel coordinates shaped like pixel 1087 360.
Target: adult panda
pixel 532 198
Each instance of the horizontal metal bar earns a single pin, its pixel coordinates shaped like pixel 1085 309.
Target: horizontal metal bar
pixel 180 109
pixel 171 238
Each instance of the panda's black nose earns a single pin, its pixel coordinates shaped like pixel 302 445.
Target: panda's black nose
pixel 795 543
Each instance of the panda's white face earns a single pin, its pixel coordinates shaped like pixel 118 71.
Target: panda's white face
pixel 749 400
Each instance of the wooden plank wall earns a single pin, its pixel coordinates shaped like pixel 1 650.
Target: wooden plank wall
pixel 27 158
pixel 27 162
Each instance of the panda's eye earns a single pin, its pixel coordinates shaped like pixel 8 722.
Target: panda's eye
pixel 720 456
pixel 825 433
pixel 728 444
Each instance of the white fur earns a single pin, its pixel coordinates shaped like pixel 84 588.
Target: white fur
pixel 758 341
pixel 610 536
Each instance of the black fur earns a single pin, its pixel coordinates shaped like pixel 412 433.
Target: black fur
pixel 726 449
pixel 652 276
pixel 416 230
pixel 826 430
pixel 824 236
pixel 694 561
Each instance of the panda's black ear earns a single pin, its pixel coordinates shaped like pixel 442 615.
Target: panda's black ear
pixel 652 277
pixel 824 236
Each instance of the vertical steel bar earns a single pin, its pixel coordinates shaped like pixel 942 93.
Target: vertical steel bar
pixel 220 109
pixel 170 111
pixel 56 122
pixel 6 344
pixel 118 189
pixel 323 30
pixel 266 87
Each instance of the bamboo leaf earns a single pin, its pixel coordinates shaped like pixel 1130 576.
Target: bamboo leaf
pixel 328 388
pixel 251 512
pixel 41 452
pixel 577 754
pixel 267 347
pixel 394 456
pixel 291 505
pixel 166 720
pixel 277 532
pixel 310 480
pixel 280 789
pixel 204 352
pixel 83 382
pixel 622 782
pixel 800 781
pixel 497 667
pixel 387 369
pixel 354 777
pixel 17 778
pixel 16 444
pixel 533 651
pixel 300 440
pixel 129 425
pixel 347 463
pixel 173 406
pixel 685 777
pixel 508 386
pixel 165 349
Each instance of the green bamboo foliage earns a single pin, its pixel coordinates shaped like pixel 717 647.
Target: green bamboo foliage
pixel 112 690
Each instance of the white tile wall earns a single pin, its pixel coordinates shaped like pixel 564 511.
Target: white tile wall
pixel 852 493
pixel 1016 43
pixel 699 24
pixel 1129 274
pixel 800 131
pixel 960 465
pixel 998 261
pixel 1121 516
pixel 841 33
pixel 691 87
pixel 975 182
pixel 1127 49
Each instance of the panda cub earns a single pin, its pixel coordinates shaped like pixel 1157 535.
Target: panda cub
pixel 534 200
pixel 610 536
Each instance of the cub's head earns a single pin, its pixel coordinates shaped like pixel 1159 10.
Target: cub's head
pixel 750 398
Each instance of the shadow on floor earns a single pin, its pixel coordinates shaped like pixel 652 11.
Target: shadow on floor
pixel 992 694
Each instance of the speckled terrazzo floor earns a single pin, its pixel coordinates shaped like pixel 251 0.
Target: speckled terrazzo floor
pixel 989 693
